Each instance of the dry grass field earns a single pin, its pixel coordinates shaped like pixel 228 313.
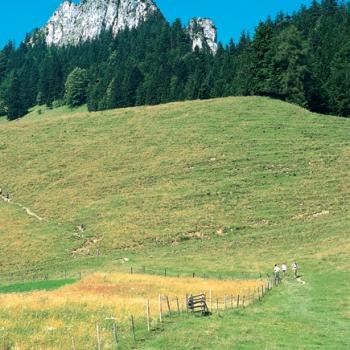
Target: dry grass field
pixel 51 319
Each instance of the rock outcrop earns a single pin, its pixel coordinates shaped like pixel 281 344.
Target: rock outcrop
pixel 74 23
pixel 203 32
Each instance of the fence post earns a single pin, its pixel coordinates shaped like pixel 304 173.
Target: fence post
pixel 131 270
pixel 193 275
pixel 164 272
pixel 177 305
pixel 98 337
pixel 148 317
pixel 160 308
pixel 238 301
pixel 211 300
pixel 186 301
pixel 168 304
pixel 73 344
pixel 115 335
pixel 133 327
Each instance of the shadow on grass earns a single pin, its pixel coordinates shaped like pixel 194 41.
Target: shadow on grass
pixel 36 285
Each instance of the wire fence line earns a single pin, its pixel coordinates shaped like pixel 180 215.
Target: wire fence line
pixel 107 333
pixel 172 308
pixel 40 274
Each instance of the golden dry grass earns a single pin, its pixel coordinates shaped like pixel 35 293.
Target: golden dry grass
pixel 48 320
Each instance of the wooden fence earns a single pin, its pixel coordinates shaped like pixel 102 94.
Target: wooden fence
pixel 173 306
pixel 167 307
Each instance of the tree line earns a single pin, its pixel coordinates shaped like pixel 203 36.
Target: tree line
pixel 302 58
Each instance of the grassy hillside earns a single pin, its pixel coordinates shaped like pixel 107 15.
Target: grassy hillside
pixel 227 186
pixel 186 171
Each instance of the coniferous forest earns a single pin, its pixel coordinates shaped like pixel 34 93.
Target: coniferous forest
pixel 302 58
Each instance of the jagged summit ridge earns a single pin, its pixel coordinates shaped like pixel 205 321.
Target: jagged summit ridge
pixel 74 23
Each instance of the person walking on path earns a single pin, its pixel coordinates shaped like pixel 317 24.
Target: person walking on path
pixel 276 271
pixel 284 269
pixel 295 269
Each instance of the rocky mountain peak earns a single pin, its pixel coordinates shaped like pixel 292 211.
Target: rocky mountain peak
pixel 72 23
pixel 203 31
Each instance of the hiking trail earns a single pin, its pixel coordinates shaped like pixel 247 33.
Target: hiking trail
pixel 27 210
pixel 84 249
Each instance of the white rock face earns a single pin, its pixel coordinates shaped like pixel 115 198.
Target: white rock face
pixel 203 30
pixel 72 24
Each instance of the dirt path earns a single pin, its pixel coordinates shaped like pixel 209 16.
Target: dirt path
pixel 84 249
pixel 27 210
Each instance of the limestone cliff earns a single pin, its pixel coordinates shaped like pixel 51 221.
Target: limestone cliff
pixel 75 23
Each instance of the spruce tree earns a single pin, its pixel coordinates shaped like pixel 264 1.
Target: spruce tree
pixel 3 65
pixel 289 70
pixel 338 86
pixel 15 101
pixel 261 58
pixel 76 88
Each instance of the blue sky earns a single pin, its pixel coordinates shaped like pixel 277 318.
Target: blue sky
pixel 18 17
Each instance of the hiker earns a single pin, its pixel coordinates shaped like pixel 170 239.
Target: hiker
pixel 276 271
pixel 295 269
pixel 284 269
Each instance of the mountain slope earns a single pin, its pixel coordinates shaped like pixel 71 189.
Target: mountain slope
pixel 186 172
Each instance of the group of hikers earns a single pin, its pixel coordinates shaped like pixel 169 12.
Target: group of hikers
pixel 277 270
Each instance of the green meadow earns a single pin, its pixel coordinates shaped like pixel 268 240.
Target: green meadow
pixel 225 187
pixel 36 285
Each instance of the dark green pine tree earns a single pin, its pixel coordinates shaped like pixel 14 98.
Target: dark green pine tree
pixel 325 41
pixel 76 88
pixel 261 58
pixel 3 66
pixel 289 67
pixel 338 86
pixel 242 80
pixel 132 81
pixel 16 106
pixel 51 80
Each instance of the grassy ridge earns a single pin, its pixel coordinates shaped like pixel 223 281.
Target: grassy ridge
pixel 184 171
